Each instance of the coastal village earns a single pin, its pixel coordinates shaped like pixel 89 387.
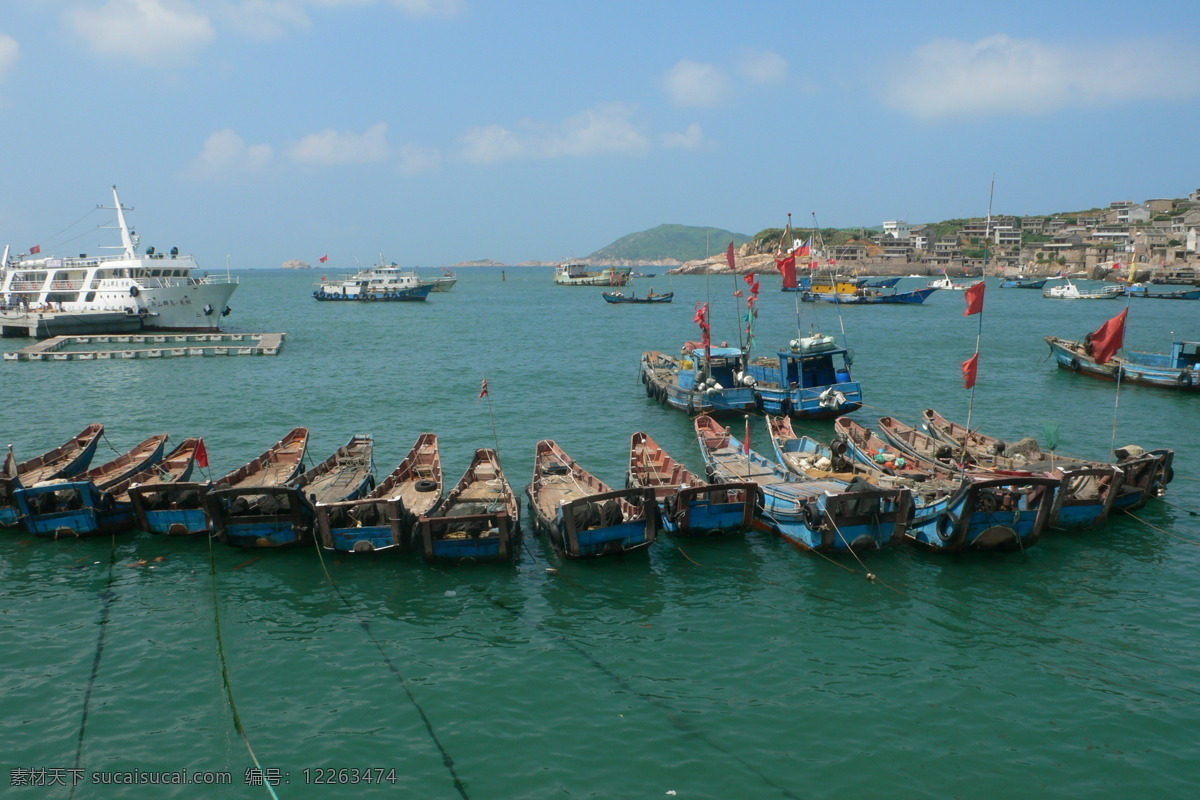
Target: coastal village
pixel 1126 241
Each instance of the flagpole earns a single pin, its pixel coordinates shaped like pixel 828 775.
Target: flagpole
pixel 485 392
pixel 737 306
pixel 1117 400
pixel 987 233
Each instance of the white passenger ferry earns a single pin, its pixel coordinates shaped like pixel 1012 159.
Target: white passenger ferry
pixel 161 288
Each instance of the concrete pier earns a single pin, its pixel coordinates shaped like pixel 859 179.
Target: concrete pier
pixel 63 348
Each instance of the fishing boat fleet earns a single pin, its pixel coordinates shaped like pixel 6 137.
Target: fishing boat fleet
pixel 939 487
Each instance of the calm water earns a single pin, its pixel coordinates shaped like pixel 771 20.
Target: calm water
pixel 739 668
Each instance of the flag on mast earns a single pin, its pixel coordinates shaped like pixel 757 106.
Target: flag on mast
pixel 483 390
pixel 1109 338
pixel 970 371
pixel 202 455
pixel 974 297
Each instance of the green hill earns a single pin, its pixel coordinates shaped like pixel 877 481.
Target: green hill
pixel 681 242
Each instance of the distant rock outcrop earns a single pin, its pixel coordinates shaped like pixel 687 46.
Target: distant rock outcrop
pixel 296 263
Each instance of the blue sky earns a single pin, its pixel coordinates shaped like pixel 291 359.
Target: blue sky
pixel 438 131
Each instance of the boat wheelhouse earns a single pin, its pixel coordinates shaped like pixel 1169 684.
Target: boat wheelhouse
pixel 811 379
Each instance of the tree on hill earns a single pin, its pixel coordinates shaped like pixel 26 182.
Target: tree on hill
pixel 680 242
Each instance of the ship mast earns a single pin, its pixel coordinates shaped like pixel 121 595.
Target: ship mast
pixel 126 239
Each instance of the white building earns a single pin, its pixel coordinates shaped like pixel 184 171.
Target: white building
pixel 897 228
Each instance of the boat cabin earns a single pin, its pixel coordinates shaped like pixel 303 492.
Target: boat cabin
pixel 1183 355
pixel 723 365
pixel 810 362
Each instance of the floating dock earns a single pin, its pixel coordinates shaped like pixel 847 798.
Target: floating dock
pixel 150 345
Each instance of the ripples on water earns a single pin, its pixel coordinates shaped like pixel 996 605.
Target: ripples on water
pixel 714 669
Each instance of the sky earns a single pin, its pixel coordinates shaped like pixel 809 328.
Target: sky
pixel 431 132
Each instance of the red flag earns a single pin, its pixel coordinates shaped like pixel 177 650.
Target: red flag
pixel 970 370
pixel 729 255
pixel 483 390
pixel 813 265
pixel 1109 339
pixel 787 266
pixel 804 249
pixel 974 296
pixel 323 258
pixel 701 319
pixel 202 455
pixel 37 248
pixel 746 444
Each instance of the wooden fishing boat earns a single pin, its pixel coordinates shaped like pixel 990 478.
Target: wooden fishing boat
pixel 478 521
pixel 621 297
pixel 1179 369
pixel 953 513
pixel 868 296
pixel 1086 491
pixel 703 380
pixel 687 504
pixel 66 460
pixel 385 518
pixel 1129 483
pixel 581 515
pixel 178 509
pixel 1023 283
pixel 282 513
pixel 81 505
pixel 809 380
pixel 825 515
pixel 1141 290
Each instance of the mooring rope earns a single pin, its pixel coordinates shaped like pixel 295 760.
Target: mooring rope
pixel 237 720
pixel 105 609
pixel 1160 530
pixel 366 626
pixel 672 716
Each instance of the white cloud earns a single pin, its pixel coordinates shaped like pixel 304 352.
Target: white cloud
pixel 265 19
pixel 762 66
pixel 429 8
pixel 225 154
pixel 690 139
pixel 330 147
pixel 414 160
pixel 9 50
pixel 151 32
pixel 1002 75
pixel 491 144
pixel 692 83
pixel 606 128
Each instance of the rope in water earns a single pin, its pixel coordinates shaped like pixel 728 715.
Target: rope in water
pixel 672 716
pixel 105 609
pixel 237 720
pixel 366 626
pixel 1160 530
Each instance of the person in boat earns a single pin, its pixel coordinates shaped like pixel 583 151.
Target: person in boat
pixel 1087 346
pixel 650 293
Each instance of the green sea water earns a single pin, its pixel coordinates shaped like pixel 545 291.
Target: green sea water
pixel 730 668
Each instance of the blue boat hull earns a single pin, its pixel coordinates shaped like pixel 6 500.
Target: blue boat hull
pixel 415 293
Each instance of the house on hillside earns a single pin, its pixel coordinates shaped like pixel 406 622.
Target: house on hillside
pixel 897 229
